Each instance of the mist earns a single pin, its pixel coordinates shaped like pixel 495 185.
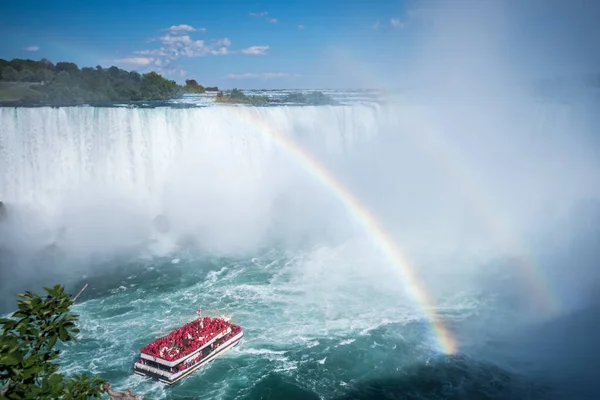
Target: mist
pixel 492 148
pixel 492 157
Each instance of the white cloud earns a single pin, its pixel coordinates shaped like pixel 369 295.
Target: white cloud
pixel 221 42
pixel 155 52
pixel 135 60
pixel 396 24
pixel 162 62
pixel 181 46
pixel 220 51
pixel 32 48
pixel 173 46
pixel 258 14
pixel 265 75
pixel 375 25
pixel 300 27
pixel 171 72
pixel 273 20
pixel 256 50
pixel 172 39
pixel 184 28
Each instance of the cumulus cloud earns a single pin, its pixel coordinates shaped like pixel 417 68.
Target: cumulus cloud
pixel 183 46
pixel 220 51
pixel 32 48
pixel 263 15
pixel 135 60
pixel 155 52
pixel 171 72
pixel 256 50
pixel 176 43
pixel 221 42
pixel 185 28
pixel 265 75
pixel 176 40
pixel 396 24
pixel 300 27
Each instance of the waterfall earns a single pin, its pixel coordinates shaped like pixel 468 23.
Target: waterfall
pixel 103 174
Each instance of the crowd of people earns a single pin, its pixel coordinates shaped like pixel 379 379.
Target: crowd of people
pixel 235 329
pixel 188 338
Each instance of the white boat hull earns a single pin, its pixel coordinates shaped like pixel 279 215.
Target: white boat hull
pixel 171 378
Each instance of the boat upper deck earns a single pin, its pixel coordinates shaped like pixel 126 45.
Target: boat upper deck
pixel 189 338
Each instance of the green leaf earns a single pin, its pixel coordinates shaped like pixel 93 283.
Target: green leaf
pixel 55 380
pixel 52 342
pixel 27 350
pixel 14 358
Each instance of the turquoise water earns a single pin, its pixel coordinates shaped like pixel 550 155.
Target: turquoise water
pixel 308 332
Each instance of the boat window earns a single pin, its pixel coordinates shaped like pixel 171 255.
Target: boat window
pixel 154 364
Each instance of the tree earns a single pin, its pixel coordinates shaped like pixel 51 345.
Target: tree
pixel 10 74
pixel 192 86
pixel 64 83
pixel 27 352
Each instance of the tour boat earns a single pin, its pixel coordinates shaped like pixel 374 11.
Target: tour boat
pixel 175 356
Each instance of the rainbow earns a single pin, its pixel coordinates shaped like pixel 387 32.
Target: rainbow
pixel 451 162
pixel 312 166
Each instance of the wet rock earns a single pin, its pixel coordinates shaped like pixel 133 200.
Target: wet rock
pixel 113 394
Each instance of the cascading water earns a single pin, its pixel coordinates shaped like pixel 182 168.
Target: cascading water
pixel 164 210
pixel 100 175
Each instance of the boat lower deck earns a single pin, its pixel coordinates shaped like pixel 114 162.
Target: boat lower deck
pixel 171 378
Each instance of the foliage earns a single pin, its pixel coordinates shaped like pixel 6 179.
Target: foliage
pixel 27 350
pixel 238 97
pixel 41 81
pixel 191 86
pixel 312 98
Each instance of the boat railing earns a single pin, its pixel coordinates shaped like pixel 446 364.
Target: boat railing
pixel 172 376
pixel 209 355
pixel 188 356
pixel 157 371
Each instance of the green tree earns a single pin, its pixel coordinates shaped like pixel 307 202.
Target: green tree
pixel 64 83
pixel 10 74
pixel 192 86
pixel 27 350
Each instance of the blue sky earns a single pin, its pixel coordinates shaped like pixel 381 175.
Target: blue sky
pixel 228 43
pixel 306 43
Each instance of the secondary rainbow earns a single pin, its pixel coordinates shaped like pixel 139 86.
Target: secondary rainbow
pixel 451 162
pixel 363 216
pixel 445 154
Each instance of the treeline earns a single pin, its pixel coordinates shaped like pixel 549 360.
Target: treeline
pixel 64 82
pixel 191 86
pixel 236 96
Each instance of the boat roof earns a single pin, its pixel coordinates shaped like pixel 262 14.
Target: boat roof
pixel 188 338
